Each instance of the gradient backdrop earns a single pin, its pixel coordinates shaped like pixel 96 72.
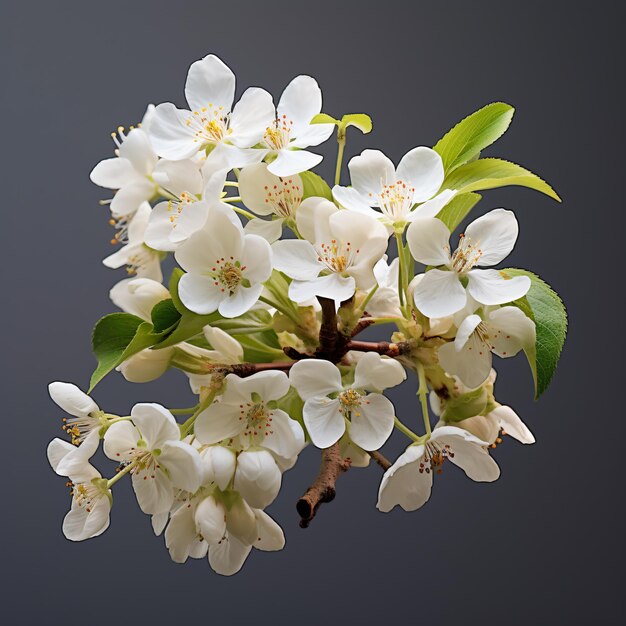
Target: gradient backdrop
pixel 542 544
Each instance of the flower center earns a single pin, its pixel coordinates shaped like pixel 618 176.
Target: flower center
pixel 396 200
pixel 277 135
pixel 337 256
pixel 350 402
pixel 79 427
pixel 121 225
pixel 176 207
pixel 138 260
pixel 284 198
pixel 466 255
pixel 85 494
pixel 227 274
pixel 210 124
pixel 434 457
pixel 257 420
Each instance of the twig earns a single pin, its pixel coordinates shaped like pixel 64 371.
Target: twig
pixel 247 369
pixel 361 325
pixel 382 347
pixel 323 489
pixel 383 461
pixel 328 329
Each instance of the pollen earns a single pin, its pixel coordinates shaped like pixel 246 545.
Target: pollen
pixel 467 254
pixel 278 135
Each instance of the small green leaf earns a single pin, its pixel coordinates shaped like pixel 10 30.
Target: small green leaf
pixel 473 134
pixel 314 185
pixel 164 315
pixel 457 209
pixel 467 405
pixel 323 118
pixel 548 312
pixel 359 120
pixel 492 173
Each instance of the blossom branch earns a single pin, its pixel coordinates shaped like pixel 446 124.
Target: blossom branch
pixel 247 369
pixel 323 489
pixel 382 460
pixel 382 347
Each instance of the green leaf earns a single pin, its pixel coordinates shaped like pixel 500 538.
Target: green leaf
pixel 467 405
pixel 473 134
pixel 548 312
pixel 164 315
pixel 115 338
pixel 492 173
pixel 457 209
pixel 360 120
pixel 314 185
pixel 323 118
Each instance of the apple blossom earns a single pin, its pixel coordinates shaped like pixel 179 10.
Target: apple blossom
pixel 487 241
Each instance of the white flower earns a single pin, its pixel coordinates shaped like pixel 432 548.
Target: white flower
pixel 83 428
pixel 487 241
pixel 245 411
pixel 291 130
pixel 504 331
pixel 257 477
pixel 210 90
pixel 336 256
pixel 138 296
pixel 139 259
pixel 328 403
pixel 228 534
pixel 409 480
pixel 377 183
pixel 267 194
pixel 385 302
pixel 162 461
pixel 91 499
pixel 502 418
pixel 172 222
pixel 225 267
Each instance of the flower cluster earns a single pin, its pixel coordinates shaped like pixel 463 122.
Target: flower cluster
pixel 278 272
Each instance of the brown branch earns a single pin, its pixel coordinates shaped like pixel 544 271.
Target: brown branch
pixel 323 489
pixel 361 325
pixel 383 461
pixel 382 347
pixel 247 369
pixel 328 328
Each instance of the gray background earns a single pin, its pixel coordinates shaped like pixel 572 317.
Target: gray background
pixel 543 543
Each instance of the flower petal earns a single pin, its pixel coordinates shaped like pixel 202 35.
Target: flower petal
pixel 128 199
pixel 181 534
pixel 296 258
pixel 256 184
pixel 270 230
pixel 251 116
pixel 228 556
pixel 495 233
pixel 199 293
pixel 270 385
pixel 432 207
pixel 219 464
pixel 282 439
pixel 137 150
pixel 290 162
pixel 155 423
pixel 256 258
pixel 323 420
pixel 372 424
pixel 510 331
pixel 472 363
pixel 183 465
pixel 313 378
pixel 429 241
pixel 350 198
pixel 423 168
pixel 376 373
pixel 210 518
pixel 489 287
pixel 439 294
pixel 241 301
pixel 119 439
pixel 369 171
pixel 257 478
pixel 80 523
pixel 465 330
pixel 226 345
pixel 154 490
pixel 113 173
pixel 71 399
pixel 511 424
pixel 270 534
pixel 217 422
pixel 313 219
pixel 210 83
pixel 178 176
pixel 333 286
pixel 170 135
pixel 300 102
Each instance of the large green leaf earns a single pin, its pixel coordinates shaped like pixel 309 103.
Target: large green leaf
pixel 474 133
pixel 164 315
pixel 546 308
pixel 491 173
pixel 457 209
pixel 361 121
pixel 314 185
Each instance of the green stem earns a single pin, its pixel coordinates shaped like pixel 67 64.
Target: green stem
pixel 232 199
pixel 231 183
pixel 187 426
pixel 404 429
pixel 401 269
pixel 286 312
pixel 243 212
pixel 121 473
pixel 422 392
pixel 341 141
pixel 368 298
pixel 186 411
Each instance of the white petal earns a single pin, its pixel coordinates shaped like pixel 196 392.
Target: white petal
pixel 217 422
pixel 181 534
pixel 270 534
pixel 71 399
pixel 323 420
pixel 282 438
pixel 439 294
pixel 313 219
pixel 80 524
pixel 270 385
pixel 257 478
pixel 138 296
pixel 313 378
pixel 260 190
pixel 465 330
pixel 510 331
pixel 270 230
pixel 489 287
pixel 210 518
pixel 119 439
pixel 511 424
pixel 241 522
pixel 290 162
pixel 372 424
pixel 155 423
pixel 160 228
pixel 241 301
pixel 219 465
pixel 495 233
pixel 251 116
pixel 333 286
pixel 432 207
pixel 366 236
pixel 300 102
pixel 183 465
pixel 350 198
pixel 178 176
pixel 470 453
pixel 369 172
pixel 113 173
pixel 75 463
pixel 170 135
pixel 256 257
pixel 222 342
pixel 199 293
pixel 154 491
pixel 210 82
pixel 227 557
pixel 57 450
pixel 128 199
pixel 429 241
pixel 313 135
pixel 137 150
pixel 471 364
pixel 423 169
pixel 192 218
pixel 296 258
pixel 376 373
pixel 403 484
